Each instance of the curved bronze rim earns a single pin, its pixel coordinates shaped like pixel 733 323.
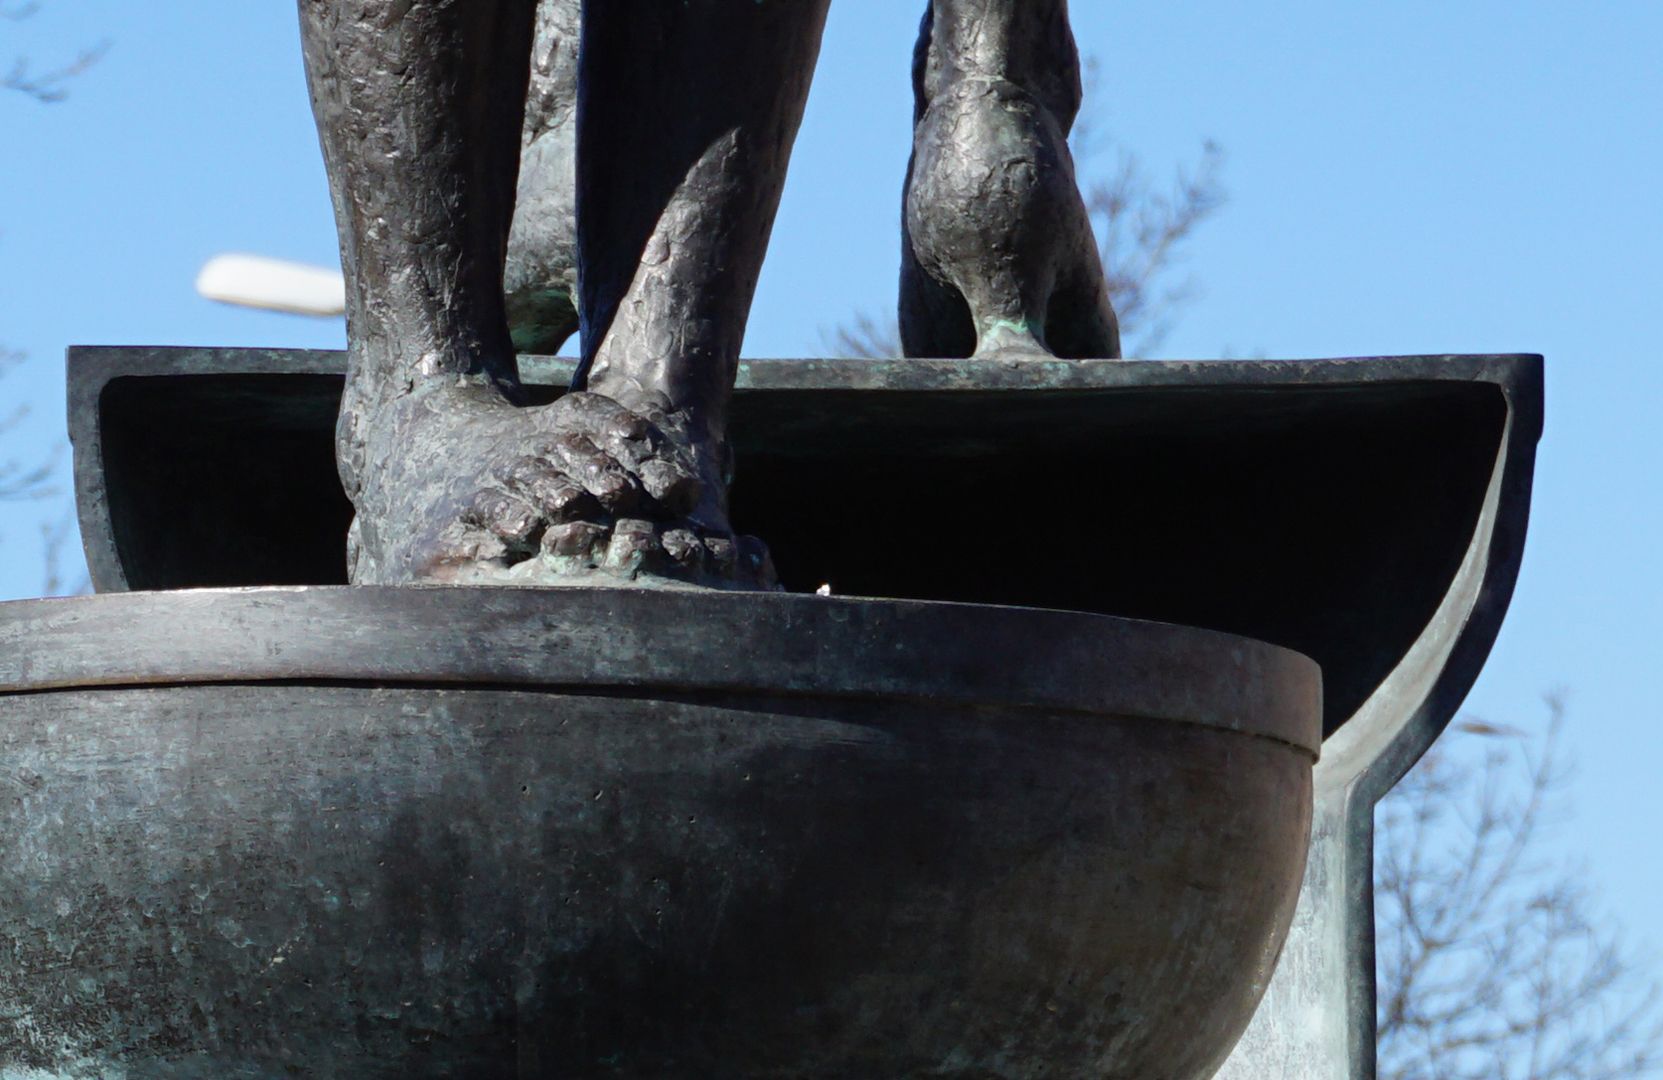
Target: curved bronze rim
pixel 597 639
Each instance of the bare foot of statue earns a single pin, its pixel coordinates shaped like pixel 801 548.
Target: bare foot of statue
pixel 998 257
pixel 478 491
pixel 421 111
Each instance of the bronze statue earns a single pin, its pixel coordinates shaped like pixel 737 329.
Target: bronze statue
pixel 645 147
pixel 998 254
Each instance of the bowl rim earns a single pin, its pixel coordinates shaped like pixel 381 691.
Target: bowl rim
pixel 589 639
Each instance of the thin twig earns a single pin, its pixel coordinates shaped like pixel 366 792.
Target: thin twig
pixel 1491 966
pixel 50 86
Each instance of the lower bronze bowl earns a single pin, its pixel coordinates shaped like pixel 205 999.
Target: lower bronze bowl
pixel 602 833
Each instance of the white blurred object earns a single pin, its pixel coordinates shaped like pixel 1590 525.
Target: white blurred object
pixel 273 285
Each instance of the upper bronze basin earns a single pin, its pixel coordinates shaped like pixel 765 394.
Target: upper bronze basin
pixel 573 833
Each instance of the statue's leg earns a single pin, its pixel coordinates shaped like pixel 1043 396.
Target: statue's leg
pixel 419 121
pixel 541 280
pixel 419 106
pixel 687 116
pixel 998 255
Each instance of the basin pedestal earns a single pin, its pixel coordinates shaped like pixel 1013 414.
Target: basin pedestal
pixel 521 833
pixel 417 832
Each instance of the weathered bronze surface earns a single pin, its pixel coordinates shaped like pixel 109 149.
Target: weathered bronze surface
pixel 540 277
pixel 685 116
pixel 998 257
pixel 700 830
pixel 1370 513
pixel 520 833
pixel 857 470
pixel 682 117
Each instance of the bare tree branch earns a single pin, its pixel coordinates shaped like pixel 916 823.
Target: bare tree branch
pixel 59 580
pixel 31 479
pixel 1141 230
pixel 51 85
pixel 1491 966
pixel 18 480
pixel 863 336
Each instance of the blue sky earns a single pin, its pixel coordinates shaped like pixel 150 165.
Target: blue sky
pixel 1409 177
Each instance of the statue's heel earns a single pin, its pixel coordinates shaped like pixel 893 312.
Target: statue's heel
pixel 994 215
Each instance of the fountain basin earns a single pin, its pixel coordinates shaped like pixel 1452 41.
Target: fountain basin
pixel 522 833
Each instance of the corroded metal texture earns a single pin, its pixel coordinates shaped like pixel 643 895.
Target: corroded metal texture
pixel 683 117
pixel 566 835
pixel 1410 476
pixel 467 228
pixel 540 276
pixel 997 252
pixel 1385 462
